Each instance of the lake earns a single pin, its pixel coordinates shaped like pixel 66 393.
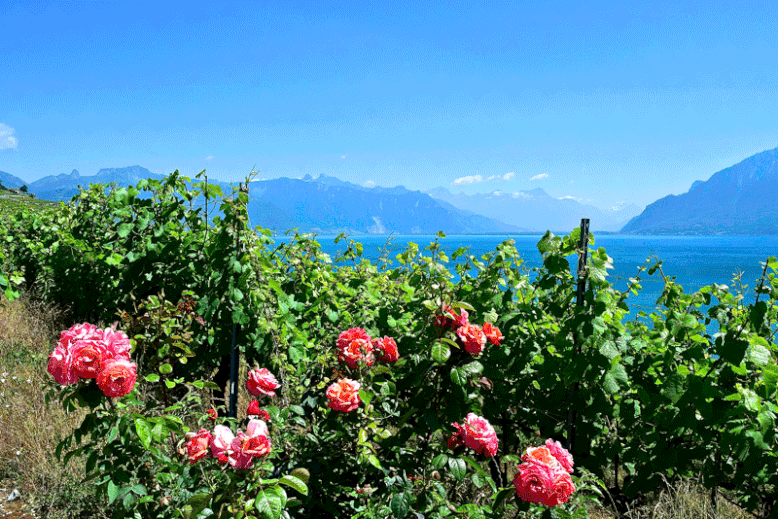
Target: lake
pixel 695 261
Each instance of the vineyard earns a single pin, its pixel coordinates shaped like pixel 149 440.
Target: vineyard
pixel 384 389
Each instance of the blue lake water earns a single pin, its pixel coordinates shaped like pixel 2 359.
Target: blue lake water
pixel 695 261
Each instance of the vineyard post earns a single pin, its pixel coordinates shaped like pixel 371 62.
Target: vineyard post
pixel 583 251
pixel 233 410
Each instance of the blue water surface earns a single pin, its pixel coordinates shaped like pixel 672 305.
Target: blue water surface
pixel 695 261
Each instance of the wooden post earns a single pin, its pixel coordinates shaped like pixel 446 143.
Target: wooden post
pixel 583 252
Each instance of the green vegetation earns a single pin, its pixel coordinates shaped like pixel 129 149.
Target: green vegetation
pixel 688 391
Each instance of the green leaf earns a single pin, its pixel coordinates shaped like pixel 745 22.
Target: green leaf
pixel 758 354
pixel 458 468
pixel 124 230
pixel 440 352
pixel 151 377
pixel 144 431
pixel 439 461
pixel 401 504
pixel 458 376
pixel 270 502
pixel 295 483
pixel 166 369
pixel 611 386
pixel 474 367
pixel 113 492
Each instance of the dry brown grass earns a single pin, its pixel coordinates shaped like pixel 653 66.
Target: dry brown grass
pixel 685 499
pixel 32 428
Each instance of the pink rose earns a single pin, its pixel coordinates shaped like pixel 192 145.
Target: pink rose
pixel 61 366
pixel 221 442
pixel 355 345
pixel 197 446
pixel 544 476
pixel 116 342
pixel 261 382
pixel 88 357
pixel 560 490
pixel 350 335
pixel 561 454
pixel 534 482
pixel 387 348
pixel 492 333
pixel 541 454
pixel 479 435
pixel 472 338
pixel 78 332
pixel 344 395
pixel 117 377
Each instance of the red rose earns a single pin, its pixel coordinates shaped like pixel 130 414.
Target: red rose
pixel 197 446
pixel 451 318
pixel 492 333
pixel 254 410
pixel 473 338
pixel 344 395
pixel 212 414
pixel 387 348
pixel 117 377
pixel 261 382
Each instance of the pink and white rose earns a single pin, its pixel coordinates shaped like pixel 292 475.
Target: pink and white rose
pixel 262 382
pixel 343 395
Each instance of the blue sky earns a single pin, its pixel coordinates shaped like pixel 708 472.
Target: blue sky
pixel 601 102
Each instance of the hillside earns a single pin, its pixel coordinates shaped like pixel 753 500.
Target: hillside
pixel 740 199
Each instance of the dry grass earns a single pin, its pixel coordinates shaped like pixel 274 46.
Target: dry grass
pixel 31 427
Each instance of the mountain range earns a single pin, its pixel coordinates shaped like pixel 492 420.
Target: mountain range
pixel 740 199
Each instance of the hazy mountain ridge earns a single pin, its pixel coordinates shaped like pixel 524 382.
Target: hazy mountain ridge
pixel 537 210
pixel 10 181
pixel 740 199
pixel 64 186
pixel 329 205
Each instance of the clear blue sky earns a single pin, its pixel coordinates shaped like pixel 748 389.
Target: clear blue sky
pixel 602 102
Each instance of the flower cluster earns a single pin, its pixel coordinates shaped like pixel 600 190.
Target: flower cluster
pixel 472 337
pixel 85 352
pixel 355 346
pixel 237 450
pixel 475 433
pixel 544 477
